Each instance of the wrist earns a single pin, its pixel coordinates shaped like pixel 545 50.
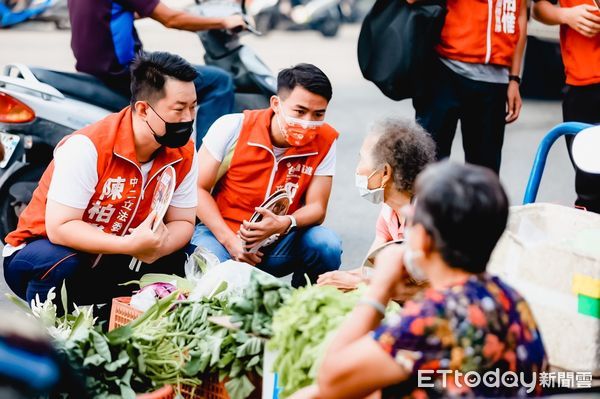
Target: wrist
pixel 563 15
pixel 514 78
pixel 288 222
pixel 376 305
pixel 379 294
pixel 228 239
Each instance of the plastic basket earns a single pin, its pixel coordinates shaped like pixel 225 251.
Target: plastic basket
pixel 165 392
pixel 121 312
pixel 211 388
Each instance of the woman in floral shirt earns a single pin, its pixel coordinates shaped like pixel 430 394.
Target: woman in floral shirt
pixel 469 334
pixel 480 325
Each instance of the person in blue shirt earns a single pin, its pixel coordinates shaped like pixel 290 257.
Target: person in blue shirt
pixel 104 41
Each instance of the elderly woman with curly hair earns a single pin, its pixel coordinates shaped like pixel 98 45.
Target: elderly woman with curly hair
pixel 394 152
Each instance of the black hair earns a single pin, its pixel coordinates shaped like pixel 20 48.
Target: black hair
pixel 307 76
pixel 406 147
pixel 149 72
pixel 464 209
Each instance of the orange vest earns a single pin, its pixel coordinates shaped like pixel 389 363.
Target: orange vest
pixel 121 200
pixel 254 174
pixel 481 31
pixel 580 54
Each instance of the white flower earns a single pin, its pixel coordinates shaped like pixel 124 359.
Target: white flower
pixel 45 311
pixel 61 333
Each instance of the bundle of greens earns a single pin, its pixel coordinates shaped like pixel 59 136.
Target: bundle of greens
pixel 108 370
pixel 254 310
pixel 301 330
pixel 181 346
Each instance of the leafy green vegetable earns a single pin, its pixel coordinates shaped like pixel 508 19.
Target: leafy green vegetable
pixel 301 328
pixel 174 342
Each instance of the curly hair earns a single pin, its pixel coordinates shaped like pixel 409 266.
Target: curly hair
pixel 405 146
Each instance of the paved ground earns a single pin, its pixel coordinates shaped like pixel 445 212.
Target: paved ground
pixel 356 103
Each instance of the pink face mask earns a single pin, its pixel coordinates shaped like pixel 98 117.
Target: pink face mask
pixel 298 132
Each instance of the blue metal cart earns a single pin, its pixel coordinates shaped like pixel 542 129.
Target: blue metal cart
pixel 539 163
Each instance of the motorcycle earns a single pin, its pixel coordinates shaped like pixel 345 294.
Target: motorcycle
pixel 13 12
pixel 325 16
pixel 254 81
pixel 38 107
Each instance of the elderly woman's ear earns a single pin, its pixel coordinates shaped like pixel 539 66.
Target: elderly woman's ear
pixel 388 175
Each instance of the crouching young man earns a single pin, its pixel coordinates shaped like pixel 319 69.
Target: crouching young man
pixel 91 212
pixel 287 146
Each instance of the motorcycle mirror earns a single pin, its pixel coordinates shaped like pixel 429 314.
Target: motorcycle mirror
pixel 585 150
pixel 253 30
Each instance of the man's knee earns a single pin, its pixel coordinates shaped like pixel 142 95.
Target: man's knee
pixel 38 267
pixel 204 238
pixel 325 245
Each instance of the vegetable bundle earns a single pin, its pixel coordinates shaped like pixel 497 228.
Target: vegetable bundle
pixel 301 330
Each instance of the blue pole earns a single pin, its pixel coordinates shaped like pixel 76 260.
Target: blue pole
pixel 564 129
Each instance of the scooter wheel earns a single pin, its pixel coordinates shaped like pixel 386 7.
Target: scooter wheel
pixel 330 27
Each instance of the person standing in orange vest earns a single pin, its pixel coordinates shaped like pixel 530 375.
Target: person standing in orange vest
pixel 580 46
pixel 91 212
pixel 287 146
pixel 476 79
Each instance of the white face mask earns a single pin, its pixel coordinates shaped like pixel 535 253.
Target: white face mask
pixel 410 257
pixel 372 195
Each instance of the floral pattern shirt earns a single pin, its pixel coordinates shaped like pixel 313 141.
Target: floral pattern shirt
pixel 481 326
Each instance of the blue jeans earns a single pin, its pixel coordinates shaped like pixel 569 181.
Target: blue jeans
pixel 310 251
pixel 215 91
pixel 42 265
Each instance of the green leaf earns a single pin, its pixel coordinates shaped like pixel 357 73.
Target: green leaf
pixel 193 367
pixel 121 361
pixel 239 388
pixel 127 377
pixel 120 335
pixel 218 289
pixel 152 278
pixel 253 362
pixel 127 392
pixel 95 360
pixel 101 346
pixel 63 297
pixel 18 302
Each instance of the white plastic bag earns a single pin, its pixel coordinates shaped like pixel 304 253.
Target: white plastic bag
pixel 235 274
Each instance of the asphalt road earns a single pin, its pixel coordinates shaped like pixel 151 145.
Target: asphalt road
pixel 356 103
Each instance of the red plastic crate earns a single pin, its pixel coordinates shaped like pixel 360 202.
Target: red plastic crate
pixel 122 313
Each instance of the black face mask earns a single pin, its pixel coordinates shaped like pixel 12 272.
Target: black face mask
pixel 177 134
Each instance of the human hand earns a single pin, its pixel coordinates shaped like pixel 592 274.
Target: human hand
pixel 583 19
pixel 309 392
pixel 391 279
pixel 236 249
pixel 342 280
pixel 146 241
pixel 513 102
pixel 234 23
pixel 254 233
